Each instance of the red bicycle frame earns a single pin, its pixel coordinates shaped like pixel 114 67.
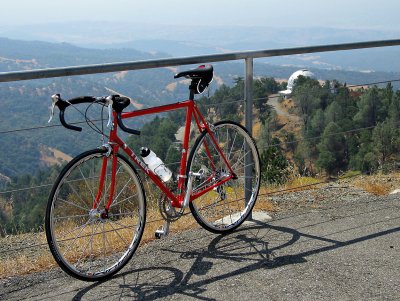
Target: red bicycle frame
pixel 117 143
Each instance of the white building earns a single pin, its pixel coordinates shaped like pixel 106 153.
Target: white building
pixel 292 79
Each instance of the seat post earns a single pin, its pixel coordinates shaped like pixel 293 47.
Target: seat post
pixel 191 94
pixel 192 89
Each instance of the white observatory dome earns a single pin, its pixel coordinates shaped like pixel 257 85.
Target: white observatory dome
pixel 295 75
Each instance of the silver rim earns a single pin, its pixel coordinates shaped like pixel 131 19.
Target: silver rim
pixel 86 241
pixel 229 205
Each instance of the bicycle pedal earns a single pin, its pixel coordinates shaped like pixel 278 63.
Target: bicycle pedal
pixel 163 231
pixel 159 233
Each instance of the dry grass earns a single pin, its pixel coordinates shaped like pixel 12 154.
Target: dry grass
pixel 256 129
pixel 25 264
pixel 24 259
pixel 376 185
pixel 292 185
pixel 51 156
pixel 265 205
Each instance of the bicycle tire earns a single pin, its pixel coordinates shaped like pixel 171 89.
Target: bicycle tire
pixel 226 207
pixel 85 244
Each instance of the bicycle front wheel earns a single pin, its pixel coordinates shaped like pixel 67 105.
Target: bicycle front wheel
pixel 93 244
pixel 227 206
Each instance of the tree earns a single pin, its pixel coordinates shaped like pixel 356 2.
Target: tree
pixel 386 141
pixel 274 166
pixel 333 113
pixel 317 124
pixel 394 110
pixel 309 96
pixel 371 108
pixel 332 149
pixel 261 89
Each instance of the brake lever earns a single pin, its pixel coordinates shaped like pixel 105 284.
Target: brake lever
pixel 109 103
pixel 54 98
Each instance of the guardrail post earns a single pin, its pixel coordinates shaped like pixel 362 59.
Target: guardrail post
pixel 248 96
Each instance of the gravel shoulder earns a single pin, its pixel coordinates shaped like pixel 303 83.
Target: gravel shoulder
pixel 334 243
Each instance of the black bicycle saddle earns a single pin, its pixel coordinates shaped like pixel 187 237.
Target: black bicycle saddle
pixel 201 77
pixel 201 72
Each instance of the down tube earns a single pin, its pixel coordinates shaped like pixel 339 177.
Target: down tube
pixel 175 200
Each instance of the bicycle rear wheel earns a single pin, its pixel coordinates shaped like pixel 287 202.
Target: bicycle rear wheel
pixel 228 205
pixel 92 244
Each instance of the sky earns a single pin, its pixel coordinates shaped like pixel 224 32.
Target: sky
pixel 276 13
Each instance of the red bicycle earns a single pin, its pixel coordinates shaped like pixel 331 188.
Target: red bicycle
pixel 96 210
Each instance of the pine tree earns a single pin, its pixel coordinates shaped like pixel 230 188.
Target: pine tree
pixel 332 149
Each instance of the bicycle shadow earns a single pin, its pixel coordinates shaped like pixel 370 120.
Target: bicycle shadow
pixel 142 284
pixel 246 250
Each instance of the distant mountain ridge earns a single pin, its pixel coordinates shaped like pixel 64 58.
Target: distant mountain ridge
pixel 63 54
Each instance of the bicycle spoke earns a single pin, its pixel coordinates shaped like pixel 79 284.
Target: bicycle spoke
pixel 126 199
pixel 69 217
pixel 87 185
pixel 84 249
pixel 73 230
pixel 91 249
pixel 104 243
pixel 76 237
pixel 240 160
pixel 233 143
pixel 123 214
pixel 115 199
pixel 122 226
pixel 78 195
pixel 119 235
pixel 73 204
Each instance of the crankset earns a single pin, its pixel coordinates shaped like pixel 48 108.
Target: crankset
pixel 167 211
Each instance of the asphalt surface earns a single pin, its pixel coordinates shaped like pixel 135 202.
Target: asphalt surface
pixel 340 250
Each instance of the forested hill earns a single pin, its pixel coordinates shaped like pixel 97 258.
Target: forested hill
pixel 25 54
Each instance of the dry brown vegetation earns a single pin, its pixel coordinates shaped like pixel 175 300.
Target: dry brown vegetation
pixel 378 184
pixel 51 156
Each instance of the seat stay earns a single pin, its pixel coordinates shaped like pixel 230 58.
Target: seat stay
pixel 211 133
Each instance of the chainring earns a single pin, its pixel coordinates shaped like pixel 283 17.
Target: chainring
pixel 167 211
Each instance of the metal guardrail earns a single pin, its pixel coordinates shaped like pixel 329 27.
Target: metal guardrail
pixel 138 65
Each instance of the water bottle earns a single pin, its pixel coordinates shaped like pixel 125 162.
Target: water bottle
pixel 155 164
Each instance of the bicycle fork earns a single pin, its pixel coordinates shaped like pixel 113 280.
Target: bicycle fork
pixel 101 189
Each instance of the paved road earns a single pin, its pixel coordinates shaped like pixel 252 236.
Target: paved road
pixel 345 250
